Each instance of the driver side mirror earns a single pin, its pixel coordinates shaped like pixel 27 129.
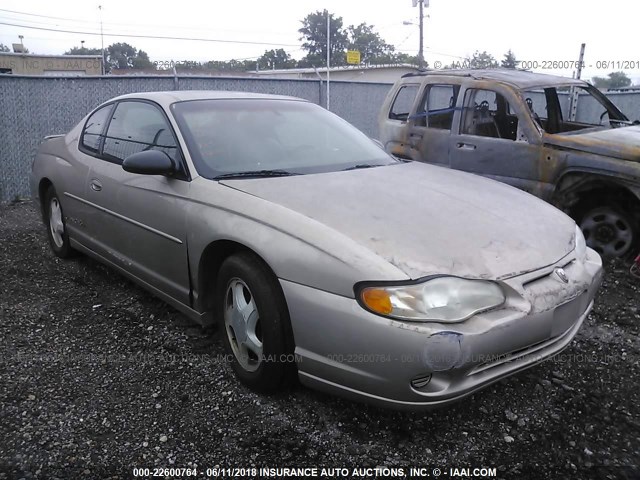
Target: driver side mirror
pixel 149 162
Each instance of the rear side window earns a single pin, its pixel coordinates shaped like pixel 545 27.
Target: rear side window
pixel 135 127
pixel 94 128
pixel 438 106
pixel 403 102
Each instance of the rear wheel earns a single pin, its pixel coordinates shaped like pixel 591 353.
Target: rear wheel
pixel 609 230
pixel 255 323
pixel 56 226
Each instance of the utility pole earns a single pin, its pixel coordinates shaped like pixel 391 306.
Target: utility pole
pixel 328 60
pixel 573 96
pixel 101 38
pixel 421 4
pixel 421 49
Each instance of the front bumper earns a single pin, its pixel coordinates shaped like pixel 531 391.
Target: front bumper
pixel 345 350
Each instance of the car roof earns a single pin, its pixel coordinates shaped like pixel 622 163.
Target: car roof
pixel 169 97
pixel 516 78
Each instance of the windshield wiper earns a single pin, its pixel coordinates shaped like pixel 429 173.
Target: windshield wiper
pixel 363 165
pixel 623 122
pixel 256 174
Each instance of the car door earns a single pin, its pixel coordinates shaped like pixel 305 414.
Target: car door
pixel 75 173
pixel 495 138
pixel 430 126
pixel 139 221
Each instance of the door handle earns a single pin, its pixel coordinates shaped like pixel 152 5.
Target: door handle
pixel 96 185
pixel 465 146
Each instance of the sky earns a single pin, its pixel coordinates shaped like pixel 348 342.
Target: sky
pixel 539 33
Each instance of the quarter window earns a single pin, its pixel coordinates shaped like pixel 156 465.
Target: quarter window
pixel 94 128
pixel 136 127
pixel 403 102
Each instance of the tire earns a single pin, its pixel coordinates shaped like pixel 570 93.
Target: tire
pixel 56 225
pixel 255 323
pixel 609 230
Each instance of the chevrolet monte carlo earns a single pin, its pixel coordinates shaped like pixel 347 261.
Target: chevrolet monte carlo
pixel 321 256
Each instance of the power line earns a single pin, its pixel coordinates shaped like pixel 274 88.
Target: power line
pixel 136 25
pixel 406 38
pixel 160 37
pixel 43 16
pixel 155 37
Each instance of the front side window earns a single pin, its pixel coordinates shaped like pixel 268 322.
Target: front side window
pixel 227 137
pixel 551 108
pixel 136 127
pixel 487 114
pixel 403 102
pixel 94 128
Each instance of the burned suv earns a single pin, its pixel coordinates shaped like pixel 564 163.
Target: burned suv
pixel 557 138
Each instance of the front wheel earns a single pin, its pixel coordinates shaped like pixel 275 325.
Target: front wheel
pixel 56 226
pixel 255 323
pixel 609 230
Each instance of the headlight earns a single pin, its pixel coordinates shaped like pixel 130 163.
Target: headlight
pixel 440 299
pixel 581 245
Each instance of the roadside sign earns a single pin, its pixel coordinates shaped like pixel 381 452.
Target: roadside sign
pixel 353 57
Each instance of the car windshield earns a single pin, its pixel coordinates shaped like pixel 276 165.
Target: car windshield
pixel 555 112
pixel 265 137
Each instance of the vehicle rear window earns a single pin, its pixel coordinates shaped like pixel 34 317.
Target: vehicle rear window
pixel 403 102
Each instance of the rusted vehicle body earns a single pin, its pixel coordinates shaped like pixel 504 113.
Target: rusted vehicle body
pixel 524 129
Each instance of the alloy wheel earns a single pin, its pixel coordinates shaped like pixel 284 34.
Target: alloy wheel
pixel 242 325
pixel 56 224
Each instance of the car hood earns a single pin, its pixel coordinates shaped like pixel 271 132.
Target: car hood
pixel 623 142
pixel 428 220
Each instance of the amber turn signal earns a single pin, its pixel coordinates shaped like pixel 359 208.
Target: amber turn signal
pixel 377 300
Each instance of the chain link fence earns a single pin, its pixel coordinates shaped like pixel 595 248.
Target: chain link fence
pixel 33 107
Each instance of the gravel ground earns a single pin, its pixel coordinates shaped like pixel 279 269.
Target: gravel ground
pixel 98 377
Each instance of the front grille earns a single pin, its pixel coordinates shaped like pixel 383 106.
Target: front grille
pixel 567 267
pixel 518 355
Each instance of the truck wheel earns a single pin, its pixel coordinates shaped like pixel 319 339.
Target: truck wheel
pixel 609 230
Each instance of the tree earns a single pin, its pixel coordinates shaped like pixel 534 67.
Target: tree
pixel 123 55
pixel 142 60
pixel 509 60
pixel 373 49
pixel 398 58
pixel 5 49
pixel 275 59
pixel 481 60
pixel 613 80
pixel 314 36
pixel 83 51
